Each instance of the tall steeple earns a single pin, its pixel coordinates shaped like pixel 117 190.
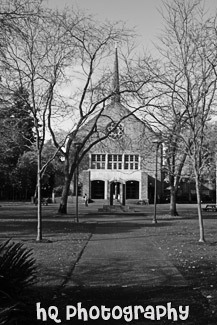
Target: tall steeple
pixel 115 84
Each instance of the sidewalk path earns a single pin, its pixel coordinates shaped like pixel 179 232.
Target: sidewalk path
pixel 123 258
pixel 121 265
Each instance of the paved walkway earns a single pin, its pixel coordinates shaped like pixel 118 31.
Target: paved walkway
pixel 123 258
pixel 122 266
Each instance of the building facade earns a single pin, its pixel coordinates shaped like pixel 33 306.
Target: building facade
pixel 121 167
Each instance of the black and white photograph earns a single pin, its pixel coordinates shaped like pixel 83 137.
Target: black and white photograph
pixel 108 164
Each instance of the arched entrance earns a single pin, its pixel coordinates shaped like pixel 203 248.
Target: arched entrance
pixel 132 190
pixel 97 189
pixel 117 193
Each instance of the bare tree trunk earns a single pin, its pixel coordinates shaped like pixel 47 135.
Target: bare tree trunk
pixel 174 182
pixel 173 211
pixel 36 192
pixel 39 227
pixel 65 193
pixel 173 190
pixel 200 217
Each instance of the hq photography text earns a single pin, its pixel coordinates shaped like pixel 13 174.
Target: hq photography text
pixel 128 313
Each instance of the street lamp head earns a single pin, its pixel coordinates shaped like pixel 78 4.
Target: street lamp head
pixel 157 142
pixel 77 145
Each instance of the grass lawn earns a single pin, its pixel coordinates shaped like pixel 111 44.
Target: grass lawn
pixel 197 262
pixel 64 241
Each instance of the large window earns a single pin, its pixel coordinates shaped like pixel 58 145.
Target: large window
pixel 131 161
pixel 98 161
pixel 114 161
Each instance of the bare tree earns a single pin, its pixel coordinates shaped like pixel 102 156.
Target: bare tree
pixel 189 58
pixel 36 56
pixel 10 14
pixel 163 115
pixel 95 42
pixel 167 121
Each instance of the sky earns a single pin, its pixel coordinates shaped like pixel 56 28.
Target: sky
pixel 142 14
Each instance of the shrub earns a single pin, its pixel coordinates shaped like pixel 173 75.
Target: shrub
pixel 17 272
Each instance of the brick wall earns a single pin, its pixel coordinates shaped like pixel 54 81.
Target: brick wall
pixel 86 182
pixel 144 186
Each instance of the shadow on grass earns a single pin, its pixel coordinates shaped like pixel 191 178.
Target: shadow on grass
pixel 125 227
pixel 27 229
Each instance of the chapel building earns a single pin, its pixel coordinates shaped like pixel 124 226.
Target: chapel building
pixel 122 167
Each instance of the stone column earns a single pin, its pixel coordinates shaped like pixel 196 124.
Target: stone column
pixel 121 193
pixel 106 190
pixel 144 186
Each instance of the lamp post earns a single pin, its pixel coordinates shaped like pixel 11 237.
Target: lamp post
pixel 157 143
pixel 77 145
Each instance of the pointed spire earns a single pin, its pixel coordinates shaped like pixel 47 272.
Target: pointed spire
pixel 115 84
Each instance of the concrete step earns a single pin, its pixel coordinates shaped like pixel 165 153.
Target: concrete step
pixel 114 208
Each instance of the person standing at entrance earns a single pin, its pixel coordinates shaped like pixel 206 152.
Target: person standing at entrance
pixel 85 200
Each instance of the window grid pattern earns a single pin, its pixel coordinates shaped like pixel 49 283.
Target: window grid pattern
pixel 115 161
pixel 131 162
pixel 98 161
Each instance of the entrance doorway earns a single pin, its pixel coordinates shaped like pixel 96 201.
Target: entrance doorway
pixel 117 193
pixel 115 190
pixel 97 189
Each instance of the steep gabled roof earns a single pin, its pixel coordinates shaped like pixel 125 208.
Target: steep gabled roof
pixel 114 111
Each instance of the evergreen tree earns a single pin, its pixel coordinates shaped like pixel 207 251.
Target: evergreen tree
pixel 17 137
